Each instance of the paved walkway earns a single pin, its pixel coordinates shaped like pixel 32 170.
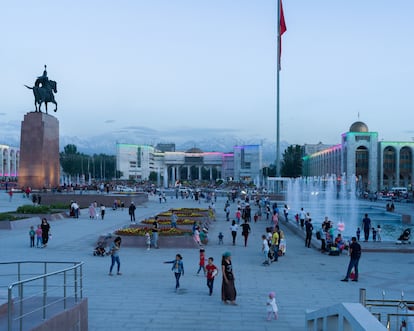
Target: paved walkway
pixel 143 298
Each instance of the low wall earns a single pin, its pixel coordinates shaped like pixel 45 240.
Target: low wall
pixel 85 199
pixel 342 317
pixel 75 318
pixel 34 221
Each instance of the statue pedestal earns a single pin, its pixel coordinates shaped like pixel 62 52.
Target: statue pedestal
pixel 39 151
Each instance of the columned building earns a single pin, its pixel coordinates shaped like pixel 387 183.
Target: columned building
pixel 374 165
pixel 9 162
pixel 138 161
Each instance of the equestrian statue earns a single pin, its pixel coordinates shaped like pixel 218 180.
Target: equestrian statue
pixel 43 90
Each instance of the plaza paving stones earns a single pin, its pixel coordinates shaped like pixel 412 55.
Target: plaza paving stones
pixel 143 298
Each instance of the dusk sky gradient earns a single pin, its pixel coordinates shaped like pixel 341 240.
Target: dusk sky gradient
pixel 172 66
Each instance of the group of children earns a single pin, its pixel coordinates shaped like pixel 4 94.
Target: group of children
pixel 376 233
pixel 210 272
pixel 38 234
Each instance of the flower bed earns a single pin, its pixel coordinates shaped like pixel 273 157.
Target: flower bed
pixel 168 222
pixel 141 231
pixel 134 234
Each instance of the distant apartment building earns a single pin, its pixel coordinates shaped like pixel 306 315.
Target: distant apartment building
pixel 374 165
pixel 135 161
pixel 138 161
pixel 9 162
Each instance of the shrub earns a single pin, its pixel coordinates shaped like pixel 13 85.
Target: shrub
pixel 9 217
pixel 59 205
pixel 29 209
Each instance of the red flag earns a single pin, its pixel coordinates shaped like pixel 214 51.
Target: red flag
pixel 282 30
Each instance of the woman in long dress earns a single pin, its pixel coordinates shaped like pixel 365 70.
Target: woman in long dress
pixel 228 290
pixel 92 211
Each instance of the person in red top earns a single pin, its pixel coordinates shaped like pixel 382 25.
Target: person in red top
pixel 202 262
pixel 212 272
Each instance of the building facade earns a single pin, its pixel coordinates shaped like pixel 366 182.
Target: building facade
pixel 375 165
pixel 138 161
pixel 9 162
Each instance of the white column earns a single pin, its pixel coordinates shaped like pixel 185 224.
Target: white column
pixel 211 172
pixel 199 172
pixel 178 169
pixel 397 166
pixel 173 178
pixel 381 168
pixel 166 176
pixel 188 172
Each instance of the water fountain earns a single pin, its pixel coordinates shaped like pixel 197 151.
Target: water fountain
pixel 337 197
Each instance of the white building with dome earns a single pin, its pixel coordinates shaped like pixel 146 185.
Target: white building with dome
pixel 377 165
pixel 137 162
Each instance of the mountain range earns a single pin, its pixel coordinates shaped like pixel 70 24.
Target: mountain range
pixel 208 140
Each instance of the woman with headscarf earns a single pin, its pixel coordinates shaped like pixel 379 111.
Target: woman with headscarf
pixel 228 290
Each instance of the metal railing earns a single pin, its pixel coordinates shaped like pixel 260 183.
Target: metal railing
pixel 383 307
pixel 42 289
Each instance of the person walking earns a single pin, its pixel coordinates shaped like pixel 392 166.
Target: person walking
pixel 155 228
pixel 114 251
pixel 302 216
pixel 233 229
pixel 202 262
pixel 355 253
pixel 366 224
pixel 228 290
pixel 212 272
pixel 45 226
pixel 245 231
pixel 178 269
pixel 309 230
pixel 174 219
pixel 272 309
pixel 102 211
pixel 131 211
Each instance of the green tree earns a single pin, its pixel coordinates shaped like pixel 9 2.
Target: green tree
pixel 98 166
pixel 269 171
pixel 292 161
pixel 153 176
pixel 70 160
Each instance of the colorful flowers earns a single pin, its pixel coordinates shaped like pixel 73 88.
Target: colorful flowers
pixel 141 231
pixel 186 216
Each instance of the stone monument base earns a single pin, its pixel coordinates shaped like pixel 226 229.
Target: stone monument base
pixel 39 151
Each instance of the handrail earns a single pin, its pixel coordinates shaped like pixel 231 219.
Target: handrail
pixel 74 286
pixel 400 305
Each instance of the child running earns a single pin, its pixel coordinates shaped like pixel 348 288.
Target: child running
pixel 202 262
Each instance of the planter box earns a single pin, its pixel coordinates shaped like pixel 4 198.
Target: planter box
pixel 186 241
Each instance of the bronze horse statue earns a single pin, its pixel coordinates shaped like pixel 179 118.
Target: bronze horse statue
pixel 43 93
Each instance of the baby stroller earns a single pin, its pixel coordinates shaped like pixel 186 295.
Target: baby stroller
pixel 100 249
pixel 404 237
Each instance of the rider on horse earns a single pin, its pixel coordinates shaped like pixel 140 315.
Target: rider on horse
pixel 42 80
pixel 43 90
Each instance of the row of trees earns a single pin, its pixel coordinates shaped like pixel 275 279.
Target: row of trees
pixel 97 166
pixel 103 166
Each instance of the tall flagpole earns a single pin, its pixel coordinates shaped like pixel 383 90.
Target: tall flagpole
pixel 277 93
